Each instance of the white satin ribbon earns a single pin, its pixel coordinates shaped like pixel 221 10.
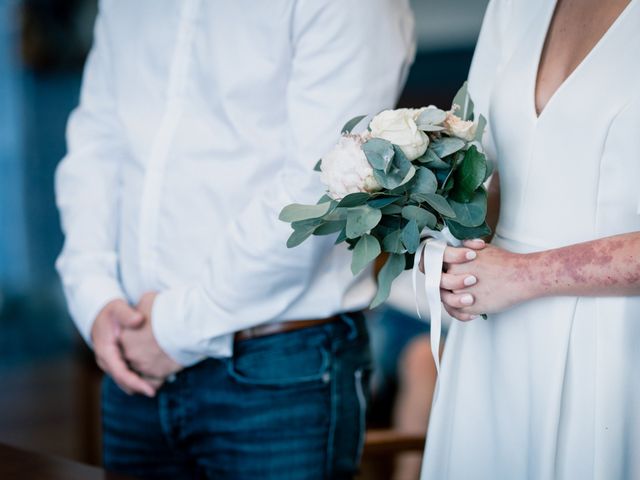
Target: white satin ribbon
pixel 432 249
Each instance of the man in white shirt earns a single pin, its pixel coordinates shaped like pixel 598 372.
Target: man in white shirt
pixel 198 121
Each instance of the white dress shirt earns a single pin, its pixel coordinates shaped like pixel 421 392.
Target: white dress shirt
pixel 198 121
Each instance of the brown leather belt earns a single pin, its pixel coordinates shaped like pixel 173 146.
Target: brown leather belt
pixel 280 327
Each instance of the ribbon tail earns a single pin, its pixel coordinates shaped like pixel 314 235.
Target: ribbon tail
pixel 433 261
pixel 414 274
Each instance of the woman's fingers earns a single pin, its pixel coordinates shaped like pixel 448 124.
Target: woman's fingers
pixel 459 255
pixel 476 244
pixel 454 303
pixel 456 300
pixel 452 282
pixel 459 314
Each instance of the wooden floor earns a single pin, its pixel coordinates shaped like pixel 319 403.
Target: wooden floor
pixel 44 406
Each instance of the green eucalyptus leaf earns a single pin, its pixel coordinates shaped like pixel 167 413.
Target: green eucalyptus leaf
pixel 437 202
pixel 311 222
pixel 473 213
pixel 382 231
pixel 409 176
pixel 411 236
pixel 391 210
pixel 431 119
pixel 464 103
pixel 424 181
pixel 329 228
pixel 442 175
pixel 400 159
pixel 296 212
pixel 433 161
pixel 399 171
pixel 445 146
pixel 446 180
pixel 351 124
pixel 393 242
pixel 393 267
pixel 383 201
pixel 480 128
pixel 317 166
pixel 335 215
pixel 448 184
pixel 469 176
pixel 342 236
pixel 460 98
pixel 464 233
pixel 422 217
pixel 354 200
pixel 361 220
pixel 379 153
pixel 366 250
pixel 302 231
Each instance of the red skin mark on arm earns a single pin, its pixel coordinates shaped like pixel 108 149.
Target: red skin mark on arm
pixel 605 267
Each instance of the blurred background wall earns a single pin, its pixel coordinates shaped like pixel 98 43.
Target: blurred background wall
pixel 48 397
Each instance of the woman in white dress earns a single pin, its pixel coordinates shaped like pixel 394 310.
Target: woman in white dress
pixel 549 386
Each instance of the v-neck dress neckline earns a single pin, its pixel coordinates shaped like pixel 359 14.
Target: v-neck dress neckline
pixel 584 62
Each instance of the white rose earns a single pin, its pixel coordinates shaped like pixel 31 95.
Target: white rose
pixel 399 127
pixel 464 129
pixel 345 169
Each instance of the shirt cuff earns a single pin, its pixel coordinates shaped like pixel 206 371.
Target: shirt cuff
pixel 167 321
pixel 88 300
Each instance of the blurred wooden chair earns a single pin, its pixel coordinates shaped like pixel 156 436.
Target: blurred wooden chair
pixel 381 448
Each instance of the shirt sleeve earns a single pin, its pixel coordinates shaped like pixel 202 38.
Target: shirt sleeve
pixel 349 57
pixel 87 186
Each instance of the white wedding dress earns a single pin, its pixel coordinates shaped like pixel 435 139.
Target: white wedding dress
pixel 550 389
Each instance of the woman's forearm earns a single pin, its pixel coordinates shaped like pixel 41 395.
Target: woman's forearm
pixel 604 267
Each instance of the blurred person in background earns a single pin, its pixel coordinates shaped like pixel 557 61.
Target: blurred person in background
pixel 227 354
pixel 404 376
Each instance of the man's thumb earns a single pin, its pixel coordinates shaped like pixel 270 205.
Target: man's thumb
pixel 128 317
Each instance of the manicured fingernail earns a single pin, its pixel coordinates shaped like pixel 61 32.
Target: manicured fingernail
pixel 470 281
pixel 471 255
pixel 479 240
pixel 466 299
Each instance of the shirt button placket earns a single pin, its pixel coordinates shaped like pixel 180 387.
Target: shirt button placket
pixel 154 178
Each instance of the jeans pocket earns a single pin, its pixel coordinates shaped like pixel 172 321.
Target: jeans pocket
pixel 281 361
pixel 350 394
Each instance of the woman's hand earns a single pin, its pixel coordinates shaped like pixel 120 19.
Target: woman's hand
pixel 494 281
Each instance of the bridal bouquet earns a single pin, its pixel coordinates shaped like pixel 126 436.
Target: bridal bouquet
pixel 412 172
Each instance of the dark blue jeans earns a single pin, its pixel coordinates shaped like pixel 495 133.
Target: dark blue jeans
pixel 287 406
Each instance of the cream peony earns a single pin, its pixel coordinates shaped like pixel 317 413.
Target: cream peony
pixel 399 127
pixel 345 169
pixel 456 127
